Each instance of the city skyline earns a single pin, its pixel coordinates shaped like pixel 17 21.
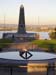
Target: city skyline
pixel 36 11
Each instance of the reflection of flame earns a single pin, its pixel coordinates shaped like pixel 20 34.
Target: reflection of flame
pixel 23 66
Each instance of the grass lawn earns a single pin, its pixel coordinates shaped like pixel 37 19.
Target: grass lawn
pixel 5 42
pixel 48 44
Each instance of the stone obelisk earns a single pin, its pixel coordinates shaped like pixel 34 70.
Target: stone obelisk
pixel 21 25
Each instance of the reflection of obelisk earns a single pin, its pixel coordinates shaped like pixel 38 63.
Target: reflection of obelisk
pixel 21 26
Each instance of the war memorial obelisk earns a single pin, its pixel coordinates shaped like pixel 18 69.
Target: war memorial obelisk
pixel 21 24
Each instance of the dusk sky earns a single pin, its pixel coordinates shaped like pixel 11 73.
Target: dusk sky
pixel 45 10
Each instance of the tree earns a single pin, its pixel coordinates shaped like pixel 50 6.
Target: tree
pixel 53 34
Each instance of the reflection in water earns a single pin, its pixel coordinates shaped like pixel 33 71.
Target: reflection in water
pixel 37 67
pixel 30 69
